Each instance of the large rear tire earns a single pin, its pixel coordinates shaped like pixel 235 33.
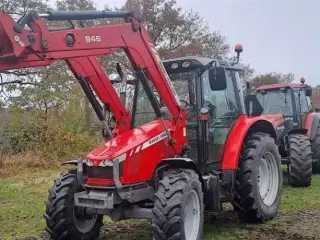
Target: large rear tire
pixel 64 220
pixel 178 207
pixel 316 151
pixel 259 180
pixel 300 168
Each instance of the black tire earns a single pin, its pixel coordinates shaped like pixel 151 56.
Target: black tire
pixel 316 151
pixel 170 204
pixel 60 211
pixel 248 202
pixel 300 169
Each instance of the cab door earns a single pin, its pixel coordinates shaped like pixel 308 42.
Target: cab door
pixel 225 107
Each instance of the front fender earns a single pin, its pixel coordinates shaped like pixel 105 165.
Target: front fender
pixel 179 163
pixel 71 162
pixel 242 127
pixel 298 131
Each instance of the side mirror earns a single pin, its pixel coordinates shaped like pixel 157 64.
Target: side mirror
pixel 308 91
pixel 217 78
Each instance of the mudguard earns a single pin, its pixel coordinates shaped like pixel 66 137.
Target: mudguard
pixel 311 124
pixel 180 162
pixel 71 162
pixel 243 126
pixel 298 131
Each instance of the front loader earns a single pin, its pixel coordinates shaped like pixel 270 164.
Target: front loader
pixel 297 128
pixel 168 160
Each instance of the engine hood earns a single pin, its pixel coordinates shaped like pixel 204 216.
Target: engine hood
pixel 127 141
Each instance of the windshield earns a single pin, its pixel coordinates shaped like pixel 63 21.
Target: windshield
pixel 144 112
pixel 276 101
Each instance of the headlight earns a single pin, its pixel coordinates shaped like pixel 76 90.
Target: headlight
pixel 174 65
pixel 186 64
pixel 106 163
pixel 89 163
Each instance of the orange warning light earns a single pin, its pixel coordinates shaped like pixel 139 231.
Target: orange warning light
pixel 238 48
pixel 302 80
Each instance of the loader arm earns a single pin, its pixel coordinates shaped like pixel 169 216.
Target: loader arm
pixel 41 46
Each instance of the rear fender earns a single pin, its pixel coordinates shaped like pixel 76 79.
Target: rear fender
pixel 311 124
pixel 243 127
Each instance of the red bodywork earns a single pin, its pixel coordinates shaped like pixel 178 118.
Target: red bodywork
pixel 144 147
pixel 237 135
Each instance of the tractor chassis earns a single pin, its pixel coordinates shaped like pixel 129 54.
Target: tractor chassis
pixel 124 202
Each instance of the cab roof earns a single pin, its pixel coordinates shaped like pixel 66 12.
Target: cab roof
pixel 282 85
pixel 202 61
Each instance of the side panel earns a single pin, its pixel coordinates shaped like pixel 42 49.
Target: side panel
pixel 311 124
pixel 237 135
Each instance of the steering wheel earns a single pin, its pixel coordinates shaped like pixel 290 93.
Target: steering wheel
pixel 188 105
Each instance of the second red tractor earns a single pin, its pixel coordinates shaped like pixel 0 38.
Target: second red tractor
pixel 289 107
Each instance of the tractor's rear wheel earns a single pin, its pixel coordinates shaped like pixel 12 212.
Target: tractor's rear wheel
pixel 316 151
pixel 178 207
pixel 259 180
pixel 300 168
pixel 65 220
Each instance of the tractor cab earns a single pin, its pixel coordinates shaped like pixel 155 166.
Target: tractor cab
pixel 201 84
pixel 292 100
pixel 216 89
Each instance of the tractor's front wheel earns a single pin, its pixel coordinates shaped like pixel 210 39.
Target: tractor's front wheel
pixel 65 220
pixel 259 180
pixel 178 207
pixel 300 168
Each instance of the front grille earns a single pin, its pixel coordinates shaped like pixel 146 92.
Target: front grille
pixel 102 172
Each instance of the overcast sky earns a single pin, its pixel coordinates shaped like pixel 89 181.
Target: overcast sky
pixel 277 35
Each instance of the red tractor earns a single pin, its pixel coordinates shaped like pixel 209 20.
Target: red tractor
pixel 164 161
pixel 288 106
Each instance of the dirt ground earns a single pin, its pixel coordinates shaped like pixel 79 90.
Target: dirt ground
pixel 295 226
pixel 302 225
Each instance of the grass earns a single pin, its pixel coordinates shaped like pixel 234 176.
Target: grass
pixel 22 206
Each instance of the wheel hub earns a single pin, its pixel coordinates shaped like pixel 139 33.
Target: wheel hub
pixel 192 216
pixel 84 220
pixel 268 178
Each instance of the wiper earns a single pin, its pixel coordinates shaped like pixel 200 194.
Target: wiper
pixel 205 68
pixel 284 99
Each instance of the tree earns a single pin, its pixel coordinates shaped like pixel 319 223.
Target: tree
pixel 271 78
pixel 176 33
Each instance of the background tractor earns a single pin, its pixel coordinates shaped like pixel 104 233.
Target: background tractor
pixel 169 159
pixel 288 106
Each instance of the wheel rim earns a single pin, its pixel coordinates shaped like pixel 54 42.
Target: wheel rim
pixel 83 225
pixel 268 178
pixel 192 216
